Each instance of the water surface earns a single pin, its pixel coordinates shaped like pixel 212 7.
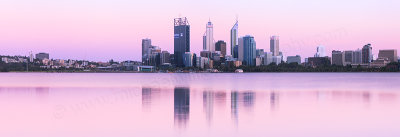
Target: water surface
pixel 193 104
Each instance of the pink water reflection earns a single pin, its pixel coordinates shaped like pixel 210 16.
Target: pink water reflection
pixel 198 109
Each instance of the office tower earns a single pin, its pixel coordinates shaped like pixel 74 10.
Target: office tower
pixel 235 51
pixel 181 40
pixel 42 56
pixel 146 45
pixel 221 46
pixel 320 52
pixel 390 54
pixel 234 38
pixel 267 58
pixel 209 37
pixel 357 57
pixel 30 56
pixel 348 57
pixel 338 58
pixel 240 49
pixel 259 52
pixel 205 42
pixel 181 106
pixel 153 56
pixel 165 57
pixel 274 45
pixel 277 59
pixel 188 59
pixel 367 54
pixel 294 59
pixel 249 50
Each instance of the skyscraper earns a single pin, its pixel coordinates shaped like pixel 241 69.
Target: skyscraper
pixel 221 46
pixel 181 40
pixel 357 57
pixel 209 37
pixel 367 54
pixel 234 38
pixel 146 45
pixel 274 45
pixel 320 52
pixel 348 57
pixel 338 58
pixel 249 50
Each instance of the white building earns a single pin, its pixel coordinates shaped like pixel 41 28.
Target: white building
pixel 320 52
pixel 209 38
pixel 277 59
pixel 274 45
pixel 267 58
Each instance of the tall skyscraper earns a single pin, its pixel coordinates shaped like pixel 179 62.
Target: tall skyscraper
pixel 234 38
pixel 320 52
pixel 30 56
pixel 367 54
pixel 209 38
pixel 146 45
pixel 221 46
pixel 338 58
pixel 348 57
pixel 249 50
pixel 240 49
pixel 274 45
pixel 357 57
pixel 181 40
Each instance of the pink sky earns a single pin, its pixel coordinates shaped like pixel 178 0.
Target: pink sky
pixel 103 29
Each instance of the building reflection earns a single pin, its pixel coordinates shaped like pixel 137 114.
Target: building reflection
pixel 181 106
pixel 42 92
pixel 234 106
pixel 146 98
pixel 274 100
pixel 208 105
pixel 248 99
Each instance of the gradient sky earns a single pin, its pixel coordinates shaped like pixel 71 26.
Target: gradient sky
pixel 100 30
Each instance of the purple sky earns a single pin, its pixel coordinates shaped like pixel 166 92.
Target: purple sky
pixel 100 30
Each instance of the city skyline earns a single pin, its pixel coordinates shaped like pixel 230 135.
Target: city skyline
pixel 114 32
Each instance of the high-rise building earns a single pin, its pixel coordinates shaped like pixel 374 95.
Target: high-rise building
pixel 320 52
pixel 30 56
pixel 338 58
pixel 236 51
pixel 357 57
pixel 209 37
pixel 42 56
pixel 205 42
pixel 348 57
pixel 181 40
pixel 367 54
pixel 234 38
pixel 240 49
pixel 188 59
pixel 294 59
pixel 146 45
pixel 274 45
pixel 164 57
pixel 390 54
pixel 249 50
pixel 277 59
pixel 221 46
pixel 267 58
pixel 259 52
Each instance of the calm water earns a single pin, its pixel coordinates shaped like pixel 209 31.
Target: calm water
pixel 249 104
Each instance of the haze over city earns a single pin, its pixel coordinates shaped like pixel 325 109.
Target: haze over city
pixel 100 30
